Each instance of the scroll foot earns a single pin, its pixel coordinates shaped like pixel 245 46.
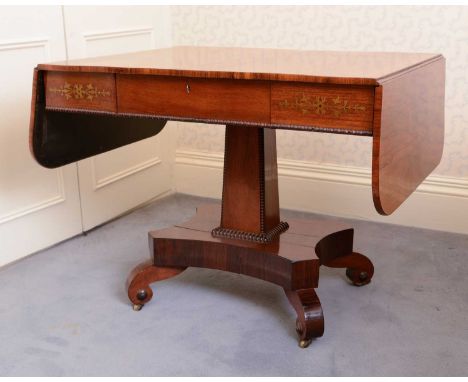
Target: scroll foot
pixel 309 322
pixel 359 269
pixel 139 291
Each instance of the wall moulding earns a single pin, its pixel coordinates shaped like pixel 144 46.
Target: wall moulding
pixel 312 187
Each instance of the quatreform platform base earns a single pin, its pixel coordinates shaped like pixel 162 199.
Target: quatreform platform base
pixel 291 262
pixel 251 239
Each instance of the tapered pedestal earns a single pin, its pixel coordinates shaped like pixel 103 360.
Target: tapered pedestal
pixel 250 239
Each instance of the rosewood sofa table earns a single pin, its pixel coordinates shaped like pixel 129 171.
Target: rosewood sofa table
pixel 85 107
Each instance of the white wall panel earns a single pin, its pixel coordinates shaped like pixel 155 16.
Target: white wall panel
pixel 38 206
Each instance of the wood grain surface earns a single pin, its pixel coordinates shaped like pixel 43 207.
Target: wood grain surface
pixel 290 261
pixel 408 133
pixel 250 183
pixel 360 68
pixel 195 98
pixel 346 107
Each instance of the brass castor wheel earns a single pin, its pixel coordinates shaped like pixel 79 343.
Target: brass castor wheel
pixel 358 277
pixel 300 330
pixel 304 343
pixel 140 296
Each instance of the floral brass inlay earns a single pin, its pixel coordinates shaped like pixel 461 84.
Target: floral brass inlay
pixel 79 91
pixel 321 105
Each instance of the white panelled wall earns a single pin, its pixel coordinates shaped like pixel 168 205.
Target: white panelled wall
pixel 40 207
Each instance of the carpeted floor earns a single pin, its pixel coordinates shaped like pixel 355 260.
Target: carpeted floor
pixel 64 311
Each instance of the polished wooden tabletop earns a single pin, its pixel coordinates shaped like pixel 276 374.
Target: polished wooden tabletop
pixel 360 68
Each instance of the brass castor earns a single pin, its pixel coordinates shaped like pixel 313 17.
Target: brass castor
pixel 304 343
pixel 141 296
pixel 357 277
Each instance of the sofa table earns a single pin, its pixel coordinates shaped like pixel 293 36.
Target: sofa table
pixel 85 107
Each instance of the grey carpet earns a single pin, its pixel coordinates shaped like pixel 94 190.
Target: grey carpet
pixel 64 311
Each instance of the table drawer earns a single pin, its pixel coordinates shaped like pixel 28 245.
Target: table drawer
pixel 84 91
pixel 329 106
pixel 194 98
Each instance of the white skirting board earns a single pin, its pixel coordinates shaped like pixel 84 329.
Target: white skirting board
pixel 440 203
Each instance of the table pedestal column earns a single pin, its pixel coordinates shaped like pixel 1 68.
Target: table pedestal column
pixel 245 235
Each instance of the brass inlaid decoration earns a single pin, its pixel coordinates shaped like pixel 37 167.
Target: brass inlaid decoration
pixel 321 105
pixel 80 91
